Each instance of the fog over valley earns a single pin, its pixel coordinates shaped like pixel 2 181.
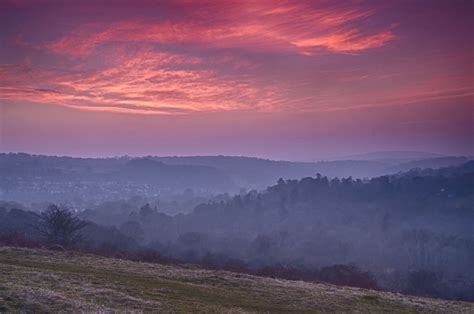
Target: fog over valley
pixel 401 224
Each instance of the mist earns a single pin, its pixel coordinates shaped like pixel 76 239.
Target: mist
pixel 401 223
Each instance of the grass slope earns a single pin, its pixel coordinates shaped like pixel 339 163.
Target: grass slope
pixel 40 280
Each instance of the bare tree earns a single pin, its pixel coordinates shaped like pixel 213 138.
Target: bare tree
pixel 58 225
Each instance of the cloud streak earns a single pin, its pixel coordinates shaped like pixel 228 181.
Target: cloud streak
pixel 145 82
pixel 217 56
pixel 268 26
pixel 186 61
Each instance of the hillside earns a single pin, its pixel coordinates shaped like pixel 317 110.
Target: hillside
pixel 40 280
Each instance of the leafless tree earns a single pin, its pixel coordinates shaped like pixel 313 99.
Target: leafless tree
pixel 58 225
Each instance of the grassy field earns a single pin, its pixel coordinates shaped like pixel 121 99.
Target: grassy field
pixel 47 281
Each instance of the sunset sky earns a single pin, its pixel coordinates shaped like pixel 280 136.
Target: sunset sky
pixel 297 80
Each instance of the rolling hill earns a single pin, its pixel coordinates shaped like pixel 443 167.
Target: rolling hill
pixel 41 280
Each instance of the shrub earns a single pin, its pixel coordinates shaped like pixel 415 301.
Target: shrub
pixel 347 275
pixel 17 239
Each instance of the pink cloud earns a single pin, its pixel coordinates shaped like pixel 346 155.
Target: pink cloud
pixel 121 68
pixel 258 26
pixel 146 82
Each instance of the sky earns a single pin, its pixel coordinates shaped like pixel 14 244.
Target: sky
pixel 295 80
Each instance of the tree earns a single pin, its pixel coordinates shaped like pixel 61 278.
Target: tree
pixel 146 211
pixel 58 225
pixel 132 229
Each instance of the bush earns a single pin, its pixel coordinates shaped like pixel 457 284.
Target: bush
pixel 289 273
pixel 347 275
pixel 17 239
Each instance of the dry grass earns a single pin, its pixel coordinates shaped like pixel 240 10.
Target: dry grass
pixel 46 281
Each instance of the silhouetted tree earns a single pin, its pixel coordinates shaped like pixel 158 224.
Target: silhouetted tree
pixel 58 225
pixel 145 212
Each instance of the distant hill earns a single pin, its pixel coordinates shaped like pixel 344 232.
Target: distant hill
pixel 432 163
pixel 393 156
pixel 136 171
pixel 450 171
pixel 248 172
pixel 36 178
pixel 176 176
pixel 259 173
pixel 78 282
